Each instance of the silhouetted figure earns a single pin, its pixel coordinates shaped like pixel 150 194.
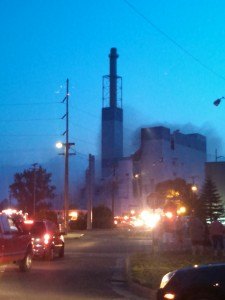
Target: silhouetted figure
pixel 168 233
pixel 197 235
pixel 179 230
pixel 217 233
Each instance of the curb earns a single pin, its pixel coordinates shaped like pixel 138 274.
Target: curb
pixel 74 235
pixel 137 288
pixel 142 291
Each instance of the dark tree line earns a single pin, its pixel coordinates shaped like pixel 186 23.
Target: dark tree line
pixel 33 187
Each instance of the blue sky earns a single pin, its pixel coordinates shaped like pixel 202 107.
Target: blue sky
pixel 45 42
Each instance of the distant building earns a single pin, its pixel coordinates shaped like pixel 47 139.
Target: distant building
pixel 216 172
pixel 165 155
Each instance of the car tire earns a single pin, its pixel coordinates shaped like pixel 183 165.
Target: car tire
pixel 50 254
pixel 25 264
pixel 61 252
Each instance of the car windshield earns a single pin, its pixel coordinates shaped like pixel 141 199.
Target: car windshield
pixel 38 228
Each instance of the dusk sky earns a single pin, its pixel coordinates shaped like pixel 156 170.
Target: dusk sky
pixel 171 58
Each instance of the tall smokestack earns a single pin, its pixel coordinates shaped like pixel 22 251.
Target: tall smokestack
pixel 112 117
pixel 113 77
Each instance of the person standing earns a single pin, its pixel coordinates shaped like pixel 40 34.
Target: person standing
pixel 197 235
pixel 216 231
pixel 168 233
pixel 179 229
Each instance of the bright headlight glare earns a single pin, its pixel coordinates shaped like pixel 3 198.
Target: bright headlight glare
pixel 166 278
pixel 169 296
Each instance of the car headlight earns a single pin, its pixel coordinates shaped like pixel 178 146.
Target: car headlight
pixel 166 278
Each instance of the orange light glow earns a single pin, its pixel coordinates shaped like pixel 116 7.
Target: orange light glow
pixel 169 296
pixel 73 215
pixel 183 210
pixel 28 222
pixel 149 219
pixel 194 188
pixel 169 215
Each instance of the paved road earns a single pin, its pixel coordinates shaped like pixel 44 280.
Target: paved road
pixel 93 268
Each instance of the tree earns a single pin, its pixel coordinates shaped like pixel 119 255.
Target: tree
pixel 32 186
pixel 210 203
pixel 44 214
pixel 80 223
pixel 4 204
pixel 172 194
pixel 102 217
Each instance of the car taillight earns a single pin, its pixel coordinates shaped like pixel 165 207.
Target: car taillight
pixel 29 222
pixel 46 238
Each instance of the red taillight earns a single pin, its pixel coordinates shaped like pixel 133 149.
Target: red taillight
pixel 29 222
pixel 46 238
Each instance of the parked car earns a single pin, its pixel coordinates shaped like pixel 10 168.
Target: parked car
pixel 48 241
pixel 206 282
pixel 15 244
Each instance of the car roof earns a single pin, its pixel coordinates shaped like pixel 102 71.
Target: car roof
pixel 205 267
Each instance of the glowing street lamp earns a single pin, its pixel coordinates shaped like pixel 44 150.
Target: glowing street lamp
pixel 217 101
pixel 59 145
pixel 194 188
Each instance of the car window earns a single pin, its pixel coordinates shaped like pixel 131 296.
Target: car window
pixel 12 225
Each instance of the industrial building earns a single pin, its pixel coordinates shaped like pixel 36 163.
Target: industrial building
pixel 165 155
pixel 127 181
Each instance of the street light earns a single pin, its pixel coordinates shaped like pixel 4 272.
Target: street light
pixel 217 101
pixel 194 188
pixel 59 145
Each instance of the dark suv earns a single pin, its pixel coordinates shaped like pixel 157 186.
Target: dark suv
pixel 206 282
pixel 48 241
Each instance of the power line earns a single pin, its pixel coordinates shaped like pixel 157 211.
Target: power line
pixel 173 41
pixel 28 104
pixel 26 150
pixel 84 141
pixel 96 117
pixel 84 111
pixel 30 120
pixel 28 135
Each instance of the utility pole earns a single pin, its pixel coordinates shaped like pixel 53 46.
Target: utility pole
pixel 67 146
pixel 90 189
pixel 113 191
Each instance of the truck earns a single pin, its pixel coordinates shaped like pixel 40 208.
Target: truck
pixel 15 244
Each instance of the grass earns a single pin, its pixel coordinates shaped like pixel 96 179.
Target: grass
pixel 148 269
